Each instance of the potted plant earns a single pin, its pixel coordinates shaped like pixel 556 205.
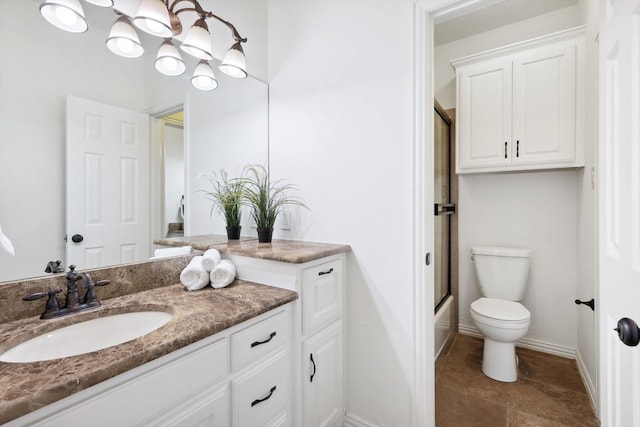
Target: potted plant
pixel 265 198
pixel 226 197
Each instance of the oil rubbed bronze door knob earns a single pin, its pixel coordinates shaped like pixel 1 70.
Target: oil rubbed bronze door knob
pixel 77 238
pixel 628 332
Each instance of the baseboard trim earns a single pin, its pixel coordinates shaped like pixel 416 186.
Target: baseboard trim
pixel 351 420
pixel 532 344
pixel 586 379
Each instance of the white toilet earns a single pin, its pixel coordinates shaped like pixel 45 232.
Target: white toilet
pixel 502 275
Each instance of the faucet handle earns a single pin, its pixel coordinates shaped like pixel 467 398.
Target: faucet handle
pixel 52 301
pixel 91 296
pixel 38 295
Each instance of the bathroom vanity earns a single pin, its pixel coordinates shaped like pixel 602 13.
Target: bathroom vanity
pixel 249 354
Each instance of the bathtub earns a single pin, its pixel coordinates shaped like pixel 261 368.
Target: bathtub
pixel 442 321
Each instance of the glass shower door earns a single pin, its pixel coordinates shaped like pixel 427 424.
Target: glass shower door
pixel 443 208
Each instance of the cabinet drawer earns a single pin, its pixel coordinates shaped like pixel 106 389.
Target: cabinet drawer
pixel 258 340
pixel 321 295
pixel 263 395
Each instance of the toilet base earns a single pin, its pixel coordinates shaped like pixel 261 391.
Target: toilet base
pixel 499 361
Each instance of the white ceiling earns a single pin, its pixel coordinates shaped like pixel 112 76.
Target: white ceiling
pixel 496 14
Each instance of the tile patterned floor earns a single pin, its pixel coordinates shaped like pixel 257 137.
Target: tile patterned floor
pixel 549 391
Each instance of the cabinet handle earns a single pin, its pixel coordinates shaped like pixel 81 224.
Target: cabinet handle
pixel 518 148
pixel 505 149
pixel 267 397
pixel 256 343
pixel 329 271
pixel 314 368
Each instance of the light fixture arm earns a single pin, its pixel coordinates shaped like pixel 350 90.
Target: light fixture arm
pixel 197 8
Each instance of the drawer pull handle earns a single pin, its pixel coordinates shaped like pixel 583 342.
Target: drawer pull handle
pixel 255 402
pixel 314 368
pixel 329 271
pixel 256 343
pixel 505 149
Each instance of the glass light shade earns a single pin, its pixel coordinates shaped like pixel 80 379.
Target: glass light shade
pixel 169 62
pixel 197 43
pixel 234 63
pixel 203 77
pixel 65 14
pixel 153 18
pixel 123 39
pixel 101 3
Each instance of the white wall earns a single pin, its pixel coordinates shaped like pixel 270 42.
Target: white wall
pixel 341 120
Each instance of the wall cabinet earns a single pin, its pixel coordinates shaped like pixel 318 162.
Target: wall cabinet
pixel 239 377
pixel 520 107
pixel 318 335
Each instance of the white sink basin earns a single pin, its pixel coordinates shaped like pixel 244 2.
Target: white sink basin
pixel 87 336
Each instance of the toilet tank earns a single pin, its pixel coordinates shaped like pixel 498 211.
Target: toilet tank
pixel 502 272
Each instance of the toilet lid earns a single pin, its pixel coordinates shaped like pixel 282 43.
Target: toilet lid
pixel 500 309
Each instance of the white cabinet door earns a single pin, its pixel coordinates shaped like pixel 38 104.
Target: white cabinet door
pixel 544 105
pixel 322 390
pixel 484 115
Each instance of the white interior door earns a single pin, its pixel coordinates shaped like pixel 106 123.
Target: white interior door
pixel 619 209
pixel 107 198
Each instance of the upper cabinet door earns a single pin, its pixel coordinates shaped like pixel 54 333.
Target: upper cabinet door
pixel 484 115
pixel 544 106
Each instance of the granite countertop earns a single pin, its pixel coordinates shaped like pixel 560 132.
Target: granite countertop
pixel 291 251
pixel 25 387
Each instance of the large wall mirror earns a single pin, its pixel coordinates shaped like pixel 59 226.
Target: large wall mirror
pixel 41 65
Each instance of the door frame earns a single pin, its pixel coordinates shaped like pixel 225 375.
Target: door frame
pixel 426 14
pixel 156 165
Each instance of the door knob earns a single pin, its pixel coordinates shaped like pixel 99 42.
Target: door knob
pixel 628 332
pixel 77 238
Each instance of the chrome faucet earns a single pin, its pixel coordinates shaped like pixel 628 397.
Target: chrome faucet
pixel 72 300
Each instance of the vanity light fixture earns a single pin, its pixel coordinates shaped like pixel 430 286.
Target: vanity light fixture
pixel 203 77
pixel 168 61
pixel 158 18
pixel 123 39
pixel 67 15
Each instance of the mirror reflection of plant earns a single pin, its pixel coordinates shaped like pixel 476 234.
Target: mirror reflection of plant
pixel 265 197
pixel 225 195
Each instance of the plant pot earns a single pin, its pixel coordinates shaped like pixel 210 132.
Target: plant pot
pixel 264 234
pixel 233 232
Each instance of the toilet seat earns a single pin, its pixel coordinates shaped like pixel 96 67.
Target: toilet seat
pixel 498 310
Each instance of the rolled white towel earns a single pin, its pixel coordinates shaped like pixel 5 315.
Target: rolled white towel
pixel 210 258
pixel 194 276
pixel 223 274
